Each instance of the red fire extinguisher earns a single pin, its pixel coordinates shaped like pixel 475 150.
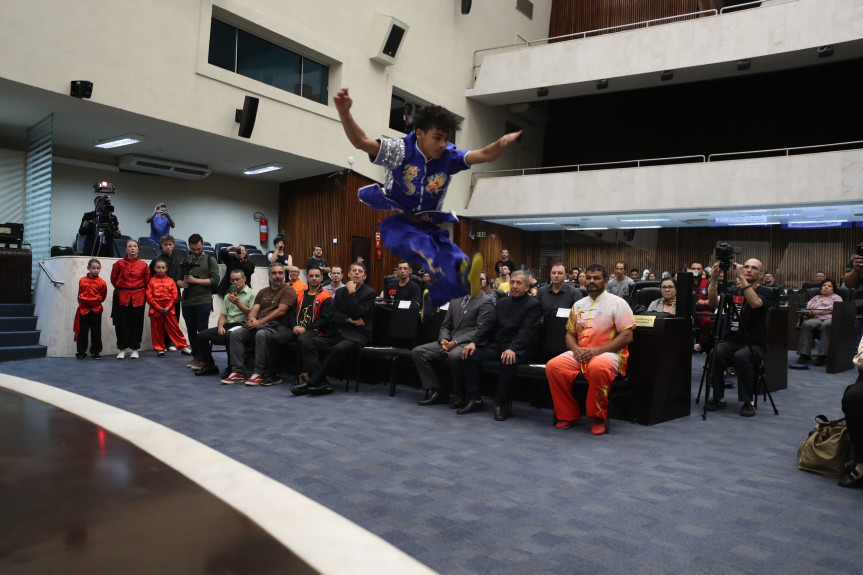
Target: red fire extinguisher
pixel 265 232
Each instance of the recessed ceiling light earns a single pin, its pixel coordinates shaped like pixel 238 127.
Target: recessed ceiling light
pixel 586 229
pixel 263 169
pixel 756 224
pixel 118 141
pixel 641 228
pixel 533 223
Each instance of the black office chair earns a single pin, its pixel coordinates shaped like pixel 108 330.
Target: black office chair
pixel 260 260
pixel 218 249
pixel 400 340
pixel 147 252
pixel 634 297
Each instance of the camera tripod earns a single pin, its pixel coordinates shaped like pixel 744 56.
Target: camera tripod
pixel 728 311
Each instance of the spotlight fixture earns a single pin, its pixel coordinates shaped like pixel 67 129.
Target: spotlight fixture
pixel 666 75
pixel 81 89
pixel 117 141
pixel 263 168
pixel 601 84
pixel 825 51
pixel 542 92
pixel 744 64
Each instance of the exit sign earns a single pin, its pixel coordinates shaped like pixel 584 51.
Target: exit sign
pixel 480 234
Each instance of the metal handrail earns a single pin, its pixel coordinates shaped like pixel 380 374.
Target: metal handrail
pixel 643 161
pixel 786 150
pixel 55 282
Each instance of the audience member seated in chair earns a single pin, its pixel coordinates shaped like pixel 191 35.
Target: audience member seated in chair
pixel 349 329
pixel 464 316
pixel 745 342
pixel 509 338
pixel 852 407
pixel 668 302
pixel 702 306
pixel 294 280
pixel 816 323
pixel 235 312
pixel 598 333
pixel 273 307
pixel 502 281
pixel 486 288
pixel 557 294
pixel 313 313
pixel 401 287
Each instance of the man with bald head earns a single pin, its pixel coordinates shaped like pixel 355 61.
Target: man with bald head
pixel 744 342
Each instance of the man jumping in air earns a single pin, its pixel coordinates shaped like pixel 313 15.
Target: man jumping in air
pixel 419 168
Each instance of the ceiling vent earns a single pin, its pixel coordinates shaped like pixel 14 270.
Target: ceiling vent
pixel 162 167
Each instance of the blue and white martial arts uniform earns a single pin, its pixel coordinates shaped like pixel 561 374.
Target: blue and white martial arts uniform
pixel 416 186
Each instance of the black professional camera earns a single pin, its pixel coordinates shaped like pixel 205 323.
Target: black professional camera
pixel 104 209
pixel 859 250
pixel 187 266
pixel 725 255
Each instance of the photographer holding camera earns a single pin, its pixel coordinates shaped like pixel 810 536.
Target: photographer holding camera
pixel 160 222
pixel 744 342
pixel 100 227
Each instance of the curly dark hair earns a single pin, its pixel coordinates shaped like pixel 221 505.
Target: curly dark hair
pixel 432 116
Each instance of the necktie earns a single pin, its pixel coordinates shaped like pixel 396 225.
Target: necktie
pixel 464 303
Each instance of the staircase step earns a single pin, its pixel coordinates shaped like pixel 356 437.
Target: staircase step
pixel 22 352
pixel 14 338
pixel 16 309
pixel 17 323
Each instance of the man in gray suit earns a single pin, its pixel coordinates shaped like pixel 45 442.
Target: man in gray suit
pixel 463 318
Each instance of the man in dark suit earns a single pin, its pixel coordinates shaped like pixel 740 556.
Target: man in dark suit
pixel 508 338
pixel 464 316
pixel 349 329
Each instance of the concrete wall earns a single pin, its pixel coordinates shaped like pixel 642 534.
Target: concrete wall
pixel 218 207
pixel 151 58
pixel 805 179
pixel 769 30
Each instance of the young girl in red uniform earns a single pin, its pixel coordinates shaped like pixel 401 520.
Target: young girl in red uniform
pixel 162 295
pixel 88 317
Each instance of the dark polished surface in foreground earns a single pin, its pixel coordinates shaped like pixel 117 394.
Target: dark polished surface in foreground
pixel 75 498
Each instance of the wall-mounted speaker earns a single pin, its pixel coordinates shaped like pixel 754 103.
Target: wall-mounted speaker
pixel 246 117
pixel 465 6
pixel 392 42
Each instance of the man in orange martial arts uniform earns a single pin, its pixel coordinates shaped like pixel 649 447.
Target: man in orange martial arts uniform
pixel 599 330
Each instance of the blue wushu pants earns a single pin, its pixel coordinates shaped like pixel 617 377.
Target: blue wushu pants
pixel 427 245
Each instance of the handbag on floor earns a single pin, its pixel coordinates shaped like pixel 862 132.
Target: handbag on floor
pixel 826 449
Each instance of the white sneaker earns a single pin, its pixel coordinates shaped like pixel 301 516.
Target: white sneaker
pixel 184 351
pixel 173 348
pixel 134 354
pixel 121 355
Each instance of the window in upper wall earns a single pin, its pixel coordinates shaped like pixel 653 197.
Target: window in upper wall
pixel 402 110
pixel 248 55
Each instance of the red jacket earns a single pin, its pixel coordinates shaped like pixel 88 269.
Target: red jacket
pixel 161 292
pixel 129 278
pixel 91 294
pixel 322 296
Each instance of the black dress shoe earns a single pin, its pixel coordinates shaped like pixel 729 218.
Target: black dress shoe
pixel 458 403
pixel 435 398
pixel 209 369
pixel 300 389
pixel 853 479
pixel 472 406
pixel 323 389
pixel 499 413
pixel 819 360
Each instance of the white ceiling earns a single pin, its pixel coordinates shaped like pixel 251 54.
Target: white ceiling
pixel 79 123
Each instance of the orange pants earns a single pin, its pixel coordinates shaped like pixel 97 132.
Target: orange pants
pixel 600 371
pixel 162 322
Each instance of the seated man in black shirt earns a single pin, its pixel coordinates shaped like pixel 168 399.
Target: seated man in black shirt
pixel 750 333
pixel 313 313
pixel 557 294
pixel 402 288
pixel 234 258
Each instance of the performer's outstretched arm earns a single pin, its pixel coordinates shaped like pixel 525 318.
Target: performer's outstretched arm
pixel 492 151
pixel 354 133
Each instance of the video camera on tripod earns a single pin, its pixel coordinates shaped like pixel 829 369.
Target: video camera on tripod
pixel 105 220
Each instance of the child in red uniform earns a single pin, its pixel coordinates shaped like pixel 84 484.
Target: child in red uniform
pixel 88 318
pixel 162 295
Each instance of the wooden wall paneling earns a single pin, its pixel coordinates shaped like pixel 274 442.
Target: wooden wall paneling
pixel 573 16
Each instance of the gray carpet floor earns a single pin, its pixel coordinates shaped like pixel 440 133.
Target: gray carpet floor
pixel 466 494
